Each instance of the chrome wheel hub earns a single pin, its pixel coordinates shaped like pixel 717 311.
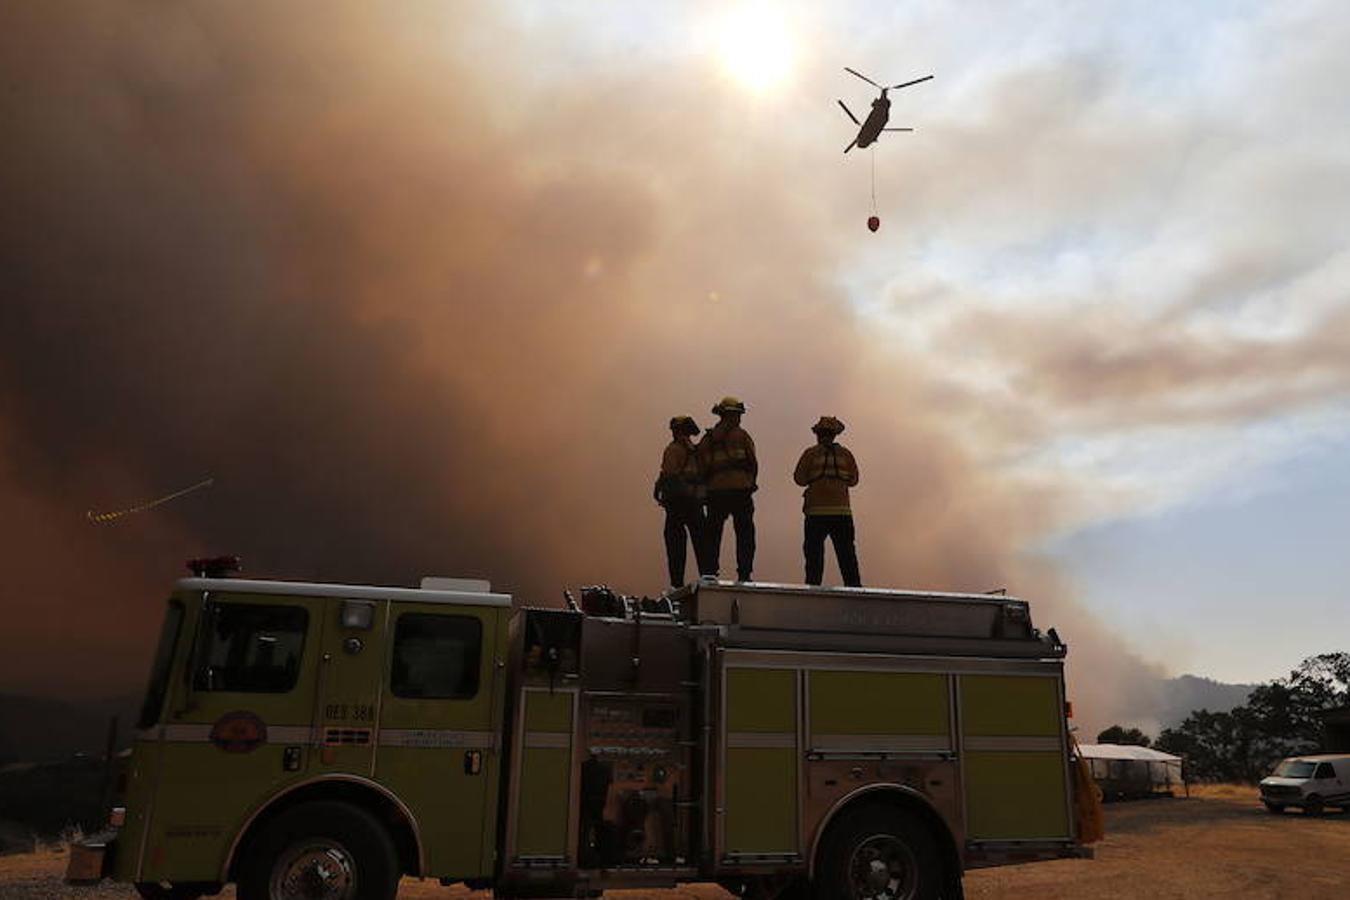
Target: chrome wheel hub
pixel 882 867
pixel 314 870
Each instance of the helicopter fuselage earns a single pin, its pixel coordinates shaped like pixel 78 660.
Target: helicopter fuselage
pixel 876 120
pixel 870 130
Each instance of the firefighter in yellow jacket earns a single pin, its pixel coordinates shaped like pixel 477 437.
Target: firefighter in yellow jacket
pixel 827 470
pixel 679 490
pixel 731 472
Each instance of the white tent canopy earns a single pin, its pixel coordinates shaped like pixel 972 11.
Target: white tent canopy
pixel 1125 751
pixel 1126 770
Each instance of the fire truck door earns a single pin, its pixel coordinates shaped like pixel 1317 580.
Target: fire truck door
pixel 234 728
pixel 439 721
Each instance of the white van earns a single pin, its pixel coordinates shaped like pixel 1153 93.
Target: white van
pixel 1312 782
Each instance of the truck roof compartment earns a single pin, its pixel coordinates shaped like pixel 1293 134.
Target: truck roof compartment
pixel 804 616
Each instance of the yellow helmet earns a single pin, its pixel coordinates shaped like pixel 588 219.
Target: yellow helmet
pixel 729 404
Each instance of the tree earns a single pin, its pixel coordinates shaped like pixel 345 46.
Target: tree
pixel 1281 718
pixel 1118 734
pixel 1215 745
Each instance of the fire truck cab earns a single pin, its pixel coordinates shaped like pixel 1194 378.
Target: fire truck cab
pixel 321 740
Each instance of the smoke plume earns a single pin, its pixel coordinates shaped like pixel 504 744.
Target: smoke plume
pixel 421 299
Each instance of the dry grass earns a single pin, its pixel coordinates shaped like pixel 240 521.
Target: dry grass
pixel 1219 843
pixel 1247 793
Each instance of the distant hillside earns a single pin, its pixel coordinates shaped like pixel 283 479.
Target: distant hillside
pixel 1184 695
pixel 38 729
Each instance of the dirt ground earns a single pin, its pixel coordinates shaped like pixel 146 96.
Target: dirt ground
pixel 1219 843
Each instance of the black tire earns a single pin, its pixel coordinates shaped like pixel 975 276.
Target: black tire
pixel 1313 806
pixel 1276 808
pixel 342 845
pixel 878 852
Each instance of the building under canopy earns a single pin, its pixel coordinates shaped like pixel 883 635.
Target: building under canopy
pixel 1124 770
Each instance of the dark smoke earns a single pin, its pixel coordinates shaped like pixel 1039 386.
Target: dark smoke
pixel 310 255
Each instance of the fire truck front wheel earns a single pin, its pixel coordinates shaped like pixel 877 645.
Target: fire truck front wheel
pixel 320 851
pixel 878 852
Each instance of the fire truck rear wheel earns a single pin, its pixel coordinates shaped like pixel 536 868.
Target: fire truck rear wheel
pixel 320 851
pixel 877 852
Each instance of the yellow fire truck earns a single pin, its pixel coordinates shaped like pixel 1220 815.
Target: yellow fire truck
pixel 310 740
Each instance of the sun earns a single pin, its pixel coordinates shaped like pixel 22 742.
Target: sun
pixel 756 47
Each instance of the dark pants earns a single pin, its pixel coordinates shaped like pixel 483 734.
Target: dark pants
pixel 685 516
pixel 740 506
pixel 840 531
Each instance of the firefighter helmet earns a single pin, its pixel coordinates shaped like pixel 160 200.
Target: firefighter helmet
pixel 729 404
pixel 829 425
pixel 684 425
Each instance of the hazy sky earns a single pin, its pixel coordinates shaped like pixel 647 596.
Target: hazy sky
pixel 419 286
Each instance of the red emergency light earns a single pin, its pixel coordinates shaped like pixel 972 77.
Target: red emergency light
pixel 213 566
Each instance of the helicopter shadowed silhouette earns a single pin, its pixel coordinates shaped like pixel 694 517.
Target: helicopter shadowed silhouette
pixel 870 130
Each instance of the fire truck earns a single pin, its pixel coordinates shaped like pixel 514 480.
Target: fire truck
pixel 306 740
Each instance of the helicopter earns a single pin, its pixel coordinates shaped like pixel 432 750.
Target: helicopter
pixel 869 131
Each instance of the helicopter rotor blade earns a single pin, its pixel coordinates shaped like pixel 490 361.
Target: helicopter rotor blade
pixel 862 76
pixel 897 129
pixel 848 113
pixel 908 83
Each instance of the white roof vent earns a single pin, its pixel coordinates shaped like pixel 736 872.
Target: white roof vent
pixel 459 585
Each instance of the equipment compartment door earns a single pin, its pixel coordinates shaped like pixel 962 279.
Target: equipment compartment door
pixel 542 800
pixel 761 761
pixel 1014 758
pixel 878 712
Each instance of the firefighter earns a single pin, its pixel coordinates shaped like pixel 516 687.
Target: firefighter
pixel 679 490
pixel 731 471
pixel 827 470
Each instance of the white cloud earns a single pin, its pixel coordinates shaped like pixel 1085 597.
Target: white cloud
pixel 1150 199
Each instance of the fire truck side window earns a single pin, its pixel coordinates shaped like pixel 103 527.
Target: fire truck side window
pixel 436 656
pixel 252 649
pixel 159 672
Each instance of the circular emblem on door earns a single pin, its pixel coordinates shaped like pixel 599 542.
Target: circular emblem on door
pixel 238 732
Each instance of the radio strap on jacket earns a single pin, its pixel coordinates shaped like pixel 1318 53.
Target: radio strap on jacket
pixel 832 456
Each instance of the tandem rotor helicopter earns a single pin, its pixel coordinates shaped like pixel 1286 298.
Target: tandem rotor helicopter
pixel 869 131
